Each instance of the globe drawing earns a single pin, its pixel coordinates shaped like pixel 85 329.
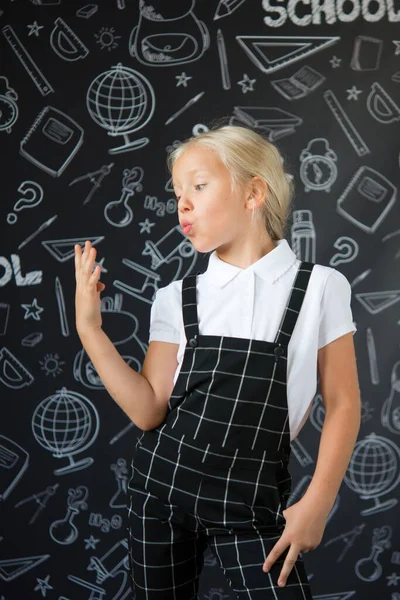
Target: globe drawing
pixel 374 470
pixel 121 101
pixel 66 423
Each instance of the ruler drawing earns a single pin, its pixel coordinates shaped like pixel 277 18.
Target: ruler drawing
pixel 347 126
pixel 31 67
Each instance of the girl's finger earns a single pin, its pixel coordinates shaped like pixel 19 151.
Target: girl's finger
pixel 88 267
pixel 288 565
pixel 95 275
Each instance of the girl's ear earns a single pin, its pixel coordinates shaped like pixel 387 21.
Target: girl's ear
pixel 258 190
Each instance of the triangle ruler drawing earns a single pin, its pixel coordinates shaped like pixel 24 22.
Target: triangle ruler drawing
pixel 63 250
pixel 13 567
pixel 375 302
pixel 271 53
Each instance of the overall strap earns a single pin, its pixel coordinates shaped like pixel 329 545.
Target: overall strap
pixel 189 309
pixel 294 303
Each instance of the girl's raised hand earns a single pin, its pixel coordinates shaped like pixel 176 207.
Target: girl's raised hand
pixel 88 288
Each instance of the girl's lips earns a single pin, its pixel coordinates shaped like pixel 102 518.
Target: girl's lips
pixel 187 228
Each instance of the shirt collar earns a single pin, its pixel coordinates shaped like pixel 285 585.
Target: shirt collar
pixel 269 267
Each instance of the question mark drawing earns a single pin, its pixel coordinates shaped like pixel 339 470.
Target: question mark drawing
pixel 33 195
pixel 348 251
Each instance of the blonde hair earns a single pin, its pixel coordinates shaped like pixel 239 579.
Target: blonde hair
pixel 246 154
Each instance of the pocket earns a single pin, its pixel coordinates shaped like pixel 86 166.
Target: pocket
pixel 283 480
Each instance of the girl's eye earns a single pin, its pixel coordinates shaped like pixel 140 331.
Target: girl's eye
pixel 199 185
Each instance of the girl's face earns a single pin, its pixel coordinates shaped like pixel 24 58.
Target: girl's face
pixel 203 189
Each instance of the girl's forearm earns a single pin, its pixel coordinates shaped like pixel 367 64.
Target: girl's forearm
pixel 127 387
pixel 338 438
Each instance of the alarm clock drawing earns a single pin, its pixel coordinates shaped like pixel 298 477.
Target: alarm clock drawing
pixel 8 106
pixel 318 170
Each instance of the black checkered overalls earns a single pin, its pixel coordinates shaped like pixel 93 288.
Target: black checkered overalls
pixel 215 472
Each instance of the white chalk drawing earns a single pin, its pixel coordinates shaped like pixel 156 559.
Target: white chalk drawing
pixel 188 104
pixel 14 268
pixel 367 52
pixel 172 38
pixel 119 320
pixel 396 77
pixel 216 594
pixel 348 538
pixel 103 523
pixel 369 568
pixel 172 248
pixel 372 357
pixel 318 169
pixel 34 29
pixel 353 93
pixel 145 226
pixel 64 531
pixel 300 84
pixel 303 236
pixel 397 48
pixel 62 313
pixel 91 543
pixel 390 413
pixel 26 61
pixel 14 461
pixel 41 228
pixel 66 423
pixel 112 563
pixel 12 372
pixel 381 106
pixel 51 364
pixel 303 457
pixel 197 129
pixel 32 194
pixel 87 11
pixel 271 121
pixel 121 476
pixel 374 471
pixel 107 38
pixel 317 412
pixel 182 79
pixel 335 62
pixel 226 8
pixel 8 105
pixel 376 302
pixel 32 339
pixel 347 126
pixel 52 141
pixel 160 208
pixel 247 84
pixel 262 49
pixel 96 178
pixel 65 43
pixel 117 212
pixel 63 249
pixel 348 251
pixel 121 433
pixel 11 568
pixel 223 60
pixel 32 310
pixel 367 199
pixel 96 592
pixel 121 101
pixel 41 500
pixel 4 316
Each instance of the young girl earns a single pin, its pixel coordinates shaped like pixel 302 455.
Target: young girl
pixel 228 381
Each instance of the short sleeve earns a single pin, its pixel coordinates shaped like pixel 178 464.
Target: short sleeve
pixel 336 317
pixel 164 324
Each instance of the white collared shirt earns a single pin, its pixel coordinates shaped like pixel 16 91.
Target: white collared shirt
pixel 249 303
